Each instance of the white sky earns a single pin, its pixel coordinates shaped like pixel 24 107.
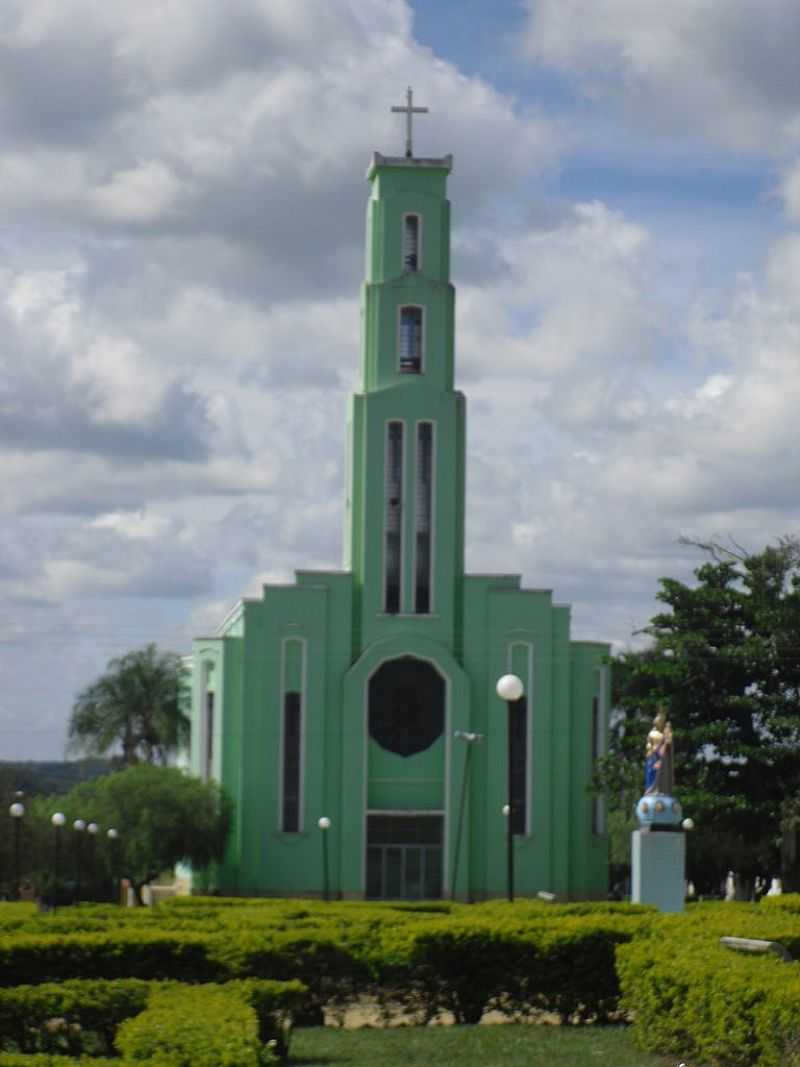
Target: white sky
pixel 181 222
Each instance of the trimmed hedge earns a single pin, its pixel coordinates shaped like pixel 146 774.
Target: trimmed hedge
pixel 472 963
pixel 465 959
pixel 195 1026
pixel 686 994
pixel 518 958
pixel 83 1015
pixel 127 953
pixel 691 997
pixel 788 902
pixel 68 1016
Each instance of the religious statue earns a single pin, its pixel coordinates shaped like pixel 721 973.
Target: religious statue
pixel 658 775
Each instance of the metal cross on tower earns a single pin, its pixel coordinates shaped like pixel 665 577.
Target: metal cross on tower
pixel 410 110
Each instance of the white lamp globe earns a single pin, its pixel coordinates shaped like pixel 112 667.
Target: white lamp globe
pixel 16 811
pixel 58 818
pixel 79 825
pixel 324 823
pixel 506 810
pixel 92 828
pixel 111 834
pixel 509 687
pixel 688 824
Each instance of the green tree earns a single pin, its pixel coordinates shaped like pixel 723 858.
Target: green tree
pixel 162 816
pixel 725 660
pixel 137 705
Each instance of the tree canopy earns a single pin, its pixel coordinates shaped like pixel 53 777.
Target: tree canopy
pixel 135 706
pixel 724 658
pixel 162 816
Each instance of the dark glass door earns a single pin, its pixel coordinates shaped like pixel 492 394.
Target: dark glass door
pixel 404 857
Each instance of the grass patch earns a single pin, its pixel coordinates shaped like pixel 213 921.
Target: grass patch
pixel 470 1046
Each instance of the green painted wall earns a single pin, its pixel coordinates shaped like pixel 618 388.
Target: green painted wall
pixel 324 637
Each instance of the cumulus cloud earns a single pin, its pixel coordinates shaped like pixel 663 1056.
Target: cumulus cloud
pixel 725 68
pixel 179 314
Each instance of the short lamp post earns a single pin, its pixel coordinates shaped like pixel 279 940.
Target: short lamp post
pixel 325 824
pixel 17 811
pixel 92 829
pixel 79 826
pixel 510 689
pixel 57 819
pixel 113 836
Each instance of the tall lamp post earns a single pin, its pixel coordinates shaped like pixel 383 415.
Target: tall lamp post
pixel 16 811
pixel 470 739
pixel 325 824
pixel 57 819
pixel 510 689
pixel 78 826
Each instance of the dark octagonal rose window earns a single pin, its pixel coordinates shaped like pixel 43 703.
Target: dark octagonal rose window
pixel 406 706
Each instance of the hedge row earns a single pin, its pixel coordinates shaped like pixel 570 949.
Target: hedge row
pixel 707 922
pixel 707 1004
pixel 83 1016
pixel 468 968
pixel 207 913
pixel 464 963
pixel 787 902
pixel 518 958
pixel 195 1026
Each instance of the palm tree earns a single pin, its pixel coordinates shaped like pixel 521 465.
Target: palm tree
pixel 137 704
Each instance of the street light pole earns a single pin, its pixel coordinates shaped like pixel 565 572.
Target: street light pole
pixel 470 739
pixel 325 825
pixel 16 811
pixel 510 689
pixel 57 819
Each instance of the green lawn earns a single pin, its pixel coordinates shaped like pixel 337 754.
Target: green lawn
pixel 471 1046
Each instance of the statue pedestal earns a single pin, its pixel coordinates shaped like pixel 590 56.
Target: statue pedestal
pixel 658 868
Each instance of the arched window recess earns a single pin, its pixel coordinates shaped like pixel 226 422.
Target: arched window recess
pixel 412 246
pixel 411 325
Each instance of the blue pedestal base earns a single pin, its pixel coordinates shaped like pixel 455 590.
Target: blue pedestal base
pixel 658 867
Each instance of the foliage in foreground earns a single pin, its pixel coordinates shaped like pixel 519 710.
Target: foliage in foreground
pixel 520 959
pixel 688 997
pixel 191 1023
pixel 691 997
pixel 195 1026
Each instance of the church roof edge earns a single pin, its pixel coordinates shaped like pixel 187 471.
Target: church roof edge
pixel 413 162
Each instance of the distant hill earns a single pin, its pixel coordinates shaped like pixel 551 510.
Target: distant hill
pixel 49 776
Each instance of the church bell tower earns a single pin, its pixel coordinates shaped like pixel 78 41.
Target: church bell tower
pixel 405 541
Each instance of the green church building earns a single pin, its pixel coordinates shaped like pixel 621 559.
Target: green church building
pixel 366 696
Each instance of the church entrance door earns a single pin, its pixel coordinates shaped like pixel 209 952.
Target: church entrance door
pixel 404 857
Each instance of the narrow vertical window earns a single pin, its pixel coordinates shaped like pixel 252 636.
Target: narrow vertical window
pixel 291 763
pixel 598 750
pixel 209 716
pixel 410 340
pixel 411 242
pixel 422 519
pixel 393 516
pixel 518 771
